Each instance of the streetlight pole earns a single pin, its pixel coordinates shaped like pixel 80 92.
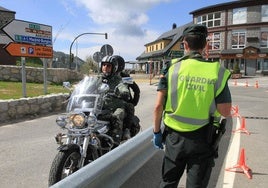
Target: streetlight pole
pixel 71 59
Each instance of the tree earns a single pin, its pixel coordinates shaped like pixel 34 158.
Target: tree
pixel 31 62
pixel 90 66
pixel 236 68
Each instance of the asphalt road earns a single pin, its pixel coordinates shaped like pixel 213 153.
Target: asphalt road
pixel 28 147
pixel 252 104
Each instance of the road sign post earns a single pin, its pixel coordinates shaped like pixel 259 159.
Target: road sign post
pixel 23 77
pixel 44 60
pixel 29 40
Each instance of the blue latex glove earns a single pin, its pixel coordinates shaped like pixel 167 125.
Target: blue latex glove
pixel 157 140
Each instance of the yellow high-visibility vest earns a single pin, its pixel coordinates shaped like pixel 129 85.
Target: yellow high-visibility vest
pixel 192 88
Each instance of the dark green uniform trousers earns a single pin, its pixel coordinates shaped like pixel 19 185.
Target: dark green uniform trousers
pixel 190 151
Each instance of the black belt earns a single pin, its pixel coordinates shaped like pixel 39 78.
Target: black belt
pixel 199 132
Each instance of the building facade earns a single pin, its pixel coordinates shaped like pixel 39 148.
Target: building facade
pixel 5 17
pixel 238 36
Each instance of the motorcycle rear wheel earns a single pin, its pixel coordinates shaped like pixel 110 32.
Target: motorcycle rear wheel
pixel 64 164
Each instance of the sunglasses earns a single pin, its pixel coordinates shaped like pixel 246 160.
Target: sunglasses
pixel 106 64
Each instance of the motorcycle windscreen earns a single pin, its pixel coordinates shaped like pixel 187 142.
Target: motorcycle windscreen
pixel 84 103
pixel 86 96
pixel 88 85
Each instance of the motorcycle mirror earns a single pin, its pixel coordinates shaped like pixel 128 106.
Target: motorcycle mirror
pixel 66 84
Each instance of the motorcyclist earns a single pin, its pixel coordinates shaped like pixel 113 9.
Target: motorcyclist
pixel 134 99
pixel 134 86
pixel 116 103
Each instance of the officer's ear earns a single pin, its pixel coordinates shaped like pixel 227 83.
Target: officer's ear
pixel 185 45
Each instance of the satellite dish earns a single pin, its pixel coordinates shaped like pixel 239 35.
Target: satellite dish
pixel 97 56
pixel 107 50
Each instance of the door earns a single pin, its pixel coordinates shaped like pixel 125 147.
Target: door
pixel 250 67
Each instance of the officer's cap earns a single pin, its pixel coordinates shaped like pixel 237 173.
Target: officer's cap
pixel 195 29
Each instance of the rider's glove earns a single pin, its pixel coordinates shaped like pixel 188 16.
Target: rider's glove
pixel 157 140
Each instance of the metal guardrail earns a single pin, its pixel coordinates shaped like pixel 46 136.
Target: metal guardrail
pixel 116 167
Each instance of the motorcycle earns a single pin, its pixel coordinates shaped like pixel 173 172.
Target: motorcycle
pixel 87 137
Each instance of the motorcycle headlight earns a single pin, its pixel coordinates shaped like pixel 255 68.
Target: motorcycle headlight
pixel 78 120
pixel 91 120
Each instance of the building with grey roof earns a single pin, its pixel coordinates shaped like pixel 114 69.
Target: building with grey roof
pixel 5 17
pixel 238 36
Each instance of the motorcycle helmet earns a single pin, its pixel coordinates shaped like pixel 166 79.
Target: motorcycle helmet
pixel 110 60
pixel 121 62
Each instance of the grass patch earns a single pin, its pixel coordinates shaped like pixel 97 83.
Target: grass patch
pixel 13 90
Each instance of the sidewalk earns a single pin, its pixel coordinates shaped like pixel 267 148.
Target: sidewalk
pixel 252 103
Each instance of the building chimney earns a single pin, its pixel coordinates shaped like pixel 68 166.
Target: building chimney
pixel 174 26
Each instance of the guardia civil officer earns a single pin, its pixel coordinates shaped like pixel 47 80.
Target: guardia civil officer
pixel 191 92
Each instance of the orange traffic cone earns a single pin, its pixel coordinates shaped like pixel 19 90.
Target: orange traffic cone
pixel 256 84
pixel 246 85
pixel 234 111
pixel 242 127
pixel 242 165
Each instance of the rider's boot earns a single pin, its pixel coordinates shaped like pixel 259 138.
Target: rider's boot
pixel 126 134
pixel 117 122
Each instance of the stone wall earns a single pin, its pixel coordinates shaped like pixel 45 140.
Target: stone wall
pixel 31 107
pixel 15 109
pixel 36 75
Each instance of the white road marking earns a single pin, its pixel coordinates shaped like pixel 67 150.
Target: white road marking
pixel 232 158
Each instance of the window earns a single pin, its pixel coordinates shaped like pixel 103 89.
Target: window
pixel 264 13
pixel 238 39
pixel 264 39
pixel 239 15
pixel 214 41
pixel 181 46
pixel 210 20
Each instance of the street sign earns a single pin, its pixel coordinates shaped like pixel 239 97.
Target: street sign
pixel 28 32
pixel 27 50
pixel 107 50
pixel 97 56
pixel 175 54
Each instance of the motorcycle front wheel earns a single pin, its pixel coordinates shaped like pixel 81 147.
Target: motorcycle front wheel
pixel 64 164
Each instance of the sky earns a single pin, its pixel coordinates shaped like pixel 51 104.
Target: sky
pixel 130 24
